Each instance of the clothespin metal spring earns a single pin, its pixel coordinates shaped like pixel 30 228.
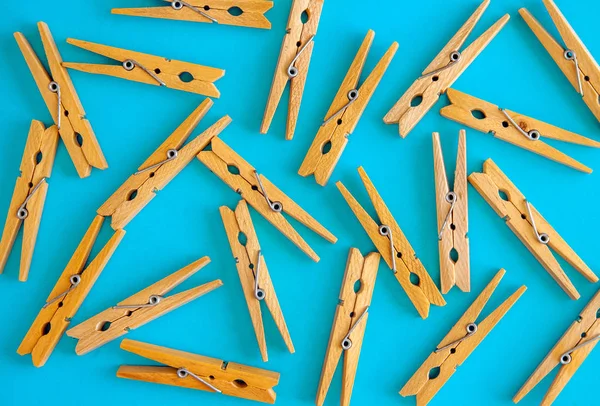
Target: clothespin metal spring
pixel 171 154
pixel 352 96
pixel 22 212
pixel 450 198
pixel 292 71
pixel 75 280
pixel 153 300
pixel 532 135
pixel 259 294
pixel 55 88
pixel 130 64
pixel 566 357
pixel 347 342
pixel 275 206
pixel 570 55
pixel 454 58
pixel 184 373
pixel 179 4
pixel 387 232
pixel 471 329
pixel 543 237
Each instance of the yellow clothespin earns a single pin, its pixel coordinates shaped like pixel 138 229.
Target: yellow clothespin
pixel 160 168
pixel 28 199
pixel 452 218
pixel 254 274
pixel 575 61
pixel 64 106
pixel 460 342
pixel 293 63
pixel 68 294
pixel 261 194
pixel 150 69
pixel 441 73
pixel 344 113
pixel 244 13
pixel 570 352
pixel 393 245
pixel 139 309
pixel 193 371
pixel 529 225
pixel 349 324
pixel 517 129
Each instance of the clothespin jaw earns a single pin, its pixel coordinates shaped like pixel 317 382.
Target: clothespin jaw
pixel 68 294
pixel 529 225
pixel 452 218
pixel 443 71
pixel 29 196
pixel 395 248
pixel 350 323
pixel 517 129
pixel 139 309
pixel 254 274
pixel 344 114
pixel 293 62
pixel 199 372
pixel 261 194
pixel 460 342
pixel 574 60
pixel 63 103
pixel 243 13
pixel 569 353
pixel 160 168
pixel 150 69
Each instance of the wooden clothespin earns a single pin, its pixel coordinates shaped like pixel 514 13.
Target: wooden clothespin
pixel 243 13
pixel 150 69
pixel 193 371
pixel 349 324
pixel 575 61
pixel 64 106
pixel 395 249
pixel 261 194
pixel 68 294
pixel 254 274
pixel 160 168
pixel 344 113
pixel 452 217
pixel 441 73
pixel 460 342
pixel 28 199
pixel 570 352
pixel 139 309
pixel 293 63
pixel 515 128
pixel 529 225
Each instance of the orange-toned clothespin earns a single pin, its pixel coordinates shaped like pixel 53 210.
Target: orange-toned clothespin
pixel 139 309
pixel 64 106
pixel 460 342
pixel 349 324
pixel 517 129
pixel 441 73
pixel 344 113
pixel 244 13
pixel 150 69
pixel 28 199
pixel 293 63
pixel 395 249
pixel 452 218
pixel 193 371
pixel 528 224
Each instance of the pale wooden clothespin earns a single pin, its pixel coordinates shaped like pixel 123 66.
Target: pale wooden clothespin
pixel 193 371
pixel 460 342
pixel 395 248
pixel 293 63
pixel 64 106
pixel 344 113
pixel 574 60
pixel 517 129
pixel 452 218
pixel 570 352
pixel 261 194
pixel 254 274
pixel 441 73
pixel 243 13
pixel 28 198
pixel 139 309
pixel 150 69
pixel 349 323
pixel 528 224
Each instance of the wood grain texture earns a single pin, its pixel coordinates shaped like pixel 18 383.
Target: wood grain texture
pixel 246 256
pixel 232 379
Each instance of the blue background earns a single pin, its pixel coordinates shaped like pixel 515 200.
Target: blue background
pixel 183 223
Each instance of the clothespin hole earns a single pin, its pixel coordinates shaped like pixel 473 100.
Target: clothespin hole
pixel 505 124
pixel 414 279
pixel 79 139
pixel 242 238
pixel 598 314
pixel 30 184
pixel 105 325
pixel 254 187
pixel 326 147
pixel 186 77
pixel 235 11
pixel 418 99
pixel 452 350
pixel 454 255
pixel 435 78
pixel 586 78
pixel 46 329
pixel 304 16
pixel 157 71
pixel 523 216
pixel 151 174
pixel 352 314
pixel 129 313
pixel 339 121
pixel 452 226
pixel 132 195
pixel 434 372
pixel 478 114
pixel 233 169
pixel 251 266
pixel 240 383
pixel 357 286
pixel 583 335
pixel 206 8
pixel 298 44
pixel 503 195
pixel 38 158
pixel 399 255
